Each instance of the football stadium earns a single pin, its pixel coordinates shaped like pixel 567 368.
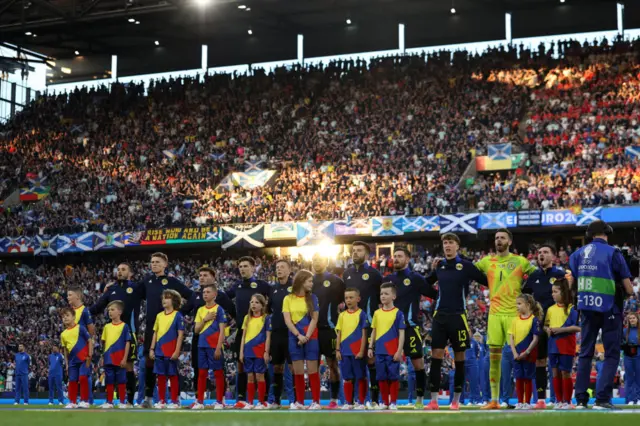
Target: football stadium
pixel 256 212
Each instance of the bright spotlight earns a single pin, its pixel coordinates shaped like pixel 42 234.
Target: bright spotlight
pixel 77 53
pixel 27 33
pixel 132 20
pixel 348 21
pixel 453 10
pixel 250 32
pixel 203 3
pixel 562 1
pixel 137 22
pixel 157 43
pixel 242 6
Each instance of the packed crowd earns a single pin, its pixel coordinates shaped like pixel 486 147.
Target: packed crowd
pixel 348 139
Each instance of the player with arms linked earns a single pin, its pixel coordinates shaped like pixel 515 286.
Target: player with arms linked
pixel 242 291
pixel 453 275
pixel 409 287
pixel 367 280
pixel 603 281
pixel 540 284
pixel 329 289
pixel 505 273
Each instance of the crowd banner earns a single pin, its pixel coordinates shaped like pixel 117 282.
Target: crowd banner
pixel 110 240
pixel 385 226
pixel 242 236
pixel 316 232
pixel 45 245
pixel 75 243
pixel 497 220
pixel 280 231
pixel 181 235
pixel 421 224
pixel 353 227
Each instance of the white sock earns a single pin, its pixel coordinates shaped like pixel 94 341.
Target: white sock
pixel 419 400
pixel 148 399
pixel 434 396
pixel 456 397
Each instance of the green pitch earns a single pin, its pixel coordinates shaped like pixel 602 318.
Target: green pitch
pixel 266 418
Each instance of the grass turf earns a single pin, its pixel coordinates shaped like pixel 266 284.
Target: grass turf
pixel 207 418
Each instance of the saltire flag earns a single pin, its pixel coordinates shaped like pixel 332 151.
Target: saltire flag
pixel 213 236
pixel 252 180
pixel 559 170
pixel 76 128
pixel 421 224
pixel 499 151
pixel 497 220
pixel 387 225
pixel 315 232
pixel 108 240
pixel 75 243
pixel 217 157
pixel 459 222
pixel 45 245
pixel 38 181
pixel 172 154
pixel 225 184
pixel 588 215
pixel 253 166
pixel 239 236
pixel 632 151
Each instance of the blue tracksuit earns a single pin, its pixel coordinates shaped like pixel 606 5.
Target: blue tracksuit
pixel 23 362
pixel 484 373
pixel 411 381
pixel 56 361
pixel 141 370
pixel 506 379
pixel 632 367
pixel 288 384
pixel 472 373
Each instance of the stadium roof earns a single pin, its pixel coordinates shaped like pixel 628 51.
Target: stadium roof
pixel 97 29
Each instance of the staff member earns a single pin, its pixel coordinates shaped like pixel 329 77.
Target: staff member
pixel 207 277
pixel 329 289
pixel 124 290
pixel 367 280
pixel 539 284
pixel 410 286
pixel 453 275
pixel 603 281
pixel 150 289
pixel 241 291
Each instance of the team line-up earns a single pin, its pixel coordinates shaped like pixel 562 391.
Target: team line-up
pixel 294 321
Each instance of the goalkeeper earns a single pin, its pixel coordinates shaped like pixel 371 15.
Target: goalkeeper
pixel 505 273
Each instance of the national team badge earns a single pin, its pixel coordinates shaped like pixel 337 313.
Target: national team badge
pixel 407 281
pixel 326 283
pixel 129 290
pixel 365 276
pixel 511 266
pixel 459 266
pixel 165 281
pixel 552 280
pixel 289 289
pixel 254 285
